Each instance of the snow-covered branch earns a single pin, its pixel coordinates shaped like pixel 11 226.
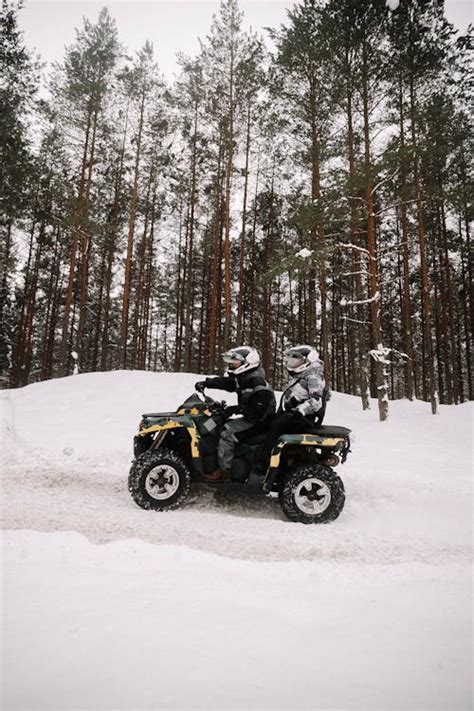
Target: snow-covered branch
pixel 384 180
pixel 362 271
pixel 392 205
pixel 349 245
pixel 381 354
pixel 375 297
pixel 355 320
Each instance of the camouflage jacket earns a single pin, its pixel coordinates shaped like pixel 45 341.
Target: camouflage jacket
pixel 304 393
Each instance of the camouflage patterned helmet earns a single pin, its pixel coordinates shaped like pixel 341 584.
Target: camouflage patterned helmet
pixel 300 358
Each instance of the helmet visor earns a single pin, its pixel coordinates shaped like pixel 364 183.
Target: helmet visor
pixel 294 361
pixel 233 360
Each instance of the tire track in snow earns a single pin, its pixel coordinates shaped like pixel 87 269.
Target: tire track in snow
pixel 92 498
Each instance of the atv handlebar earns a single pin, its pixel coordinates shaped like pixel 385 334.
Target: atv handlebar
pixel 205 398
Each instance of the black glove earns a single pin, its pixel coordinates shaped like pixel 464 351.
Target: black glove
pixel 299 415
pixel 200 386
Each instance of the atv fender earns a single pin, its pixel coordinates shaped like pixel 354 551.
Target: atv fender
pixel 309 440
pixel 164 424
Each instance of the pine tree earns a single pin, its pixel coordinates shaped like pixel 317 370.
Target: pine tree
pixel 305 86
pixel 80 86
pixel 19 80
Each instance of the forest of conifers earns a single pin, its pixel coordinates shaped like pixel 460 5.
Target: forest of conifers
pixel 308 186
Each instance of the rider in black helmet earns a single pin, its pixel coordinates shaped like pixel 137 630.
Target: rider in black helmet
pixel 256 403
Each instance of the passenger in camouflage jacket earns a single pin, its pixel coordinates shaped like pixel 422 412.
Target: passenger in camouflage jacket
pixel 300 403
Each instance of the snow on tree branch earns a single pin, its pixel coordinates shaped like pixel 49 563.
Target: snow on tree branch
pixel 304 253
pixel 381 355
pixel 384 180
pixel 375 297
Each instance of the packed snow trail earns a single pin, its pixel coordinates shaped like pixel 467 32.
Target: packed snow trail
pixel 133 626
pixel 67 453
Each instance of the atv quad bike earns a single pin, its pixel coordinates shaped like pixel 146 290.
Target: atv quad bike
pixel 172 449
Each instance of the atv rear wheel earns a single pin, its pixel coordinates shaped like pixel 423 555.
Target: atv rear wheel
pixel 159 480
pixel 312 494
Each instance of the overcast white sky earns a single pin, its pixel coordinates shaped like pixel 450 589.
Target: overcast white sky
pixel 171 25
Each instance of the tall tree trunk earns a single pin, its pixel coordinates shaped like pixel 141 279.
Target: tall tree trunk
pixel 439 352
pixel 253 259
pixel 149 285
pixel 374 291
pixel 449 295
pixel 228 184
pixel 179 296
pixel 76 235
pixel 318 241
pixel 52 299
pixel 183 295
pixel 190 254
pixel 267 320
pixel 85 249
pixel 204 299
pixel 31 310
pixel 216 228
pixel 356 263
pixel 138 305
pixel 273 372
pixel 242 234
pixel 447 357
pixel 5 267
pixel 19 350
pixel 131 235
pixel 428 345
pixel 111 248
pixel 407 336
pixel 465 312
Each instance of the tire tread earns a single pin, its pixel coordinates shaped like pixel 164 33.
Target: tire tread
pixel 286 494
pixel 139 470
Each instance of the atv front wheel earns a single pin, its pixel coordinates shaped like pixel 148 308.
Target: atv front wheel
pixel 159 480
pixel 312 494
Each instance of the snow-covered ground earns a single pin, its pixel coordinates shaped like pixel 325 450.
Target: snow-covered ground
pixel 372 611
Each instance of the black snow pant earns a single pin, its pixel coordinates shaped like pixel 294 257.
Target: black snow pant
pixel 283 423
pixel 227 440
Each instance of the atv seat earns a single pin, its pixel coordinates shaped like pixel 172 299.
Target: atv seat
pixel 328 431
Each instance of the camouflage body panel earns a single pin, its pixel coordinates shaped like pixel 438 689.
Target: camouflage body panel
pixel 194 411
pixel 302 439
pixel 166 423
pixel 161 424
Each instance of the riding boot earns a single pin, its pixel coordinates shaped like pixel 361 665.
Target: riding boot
pixel 217 476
